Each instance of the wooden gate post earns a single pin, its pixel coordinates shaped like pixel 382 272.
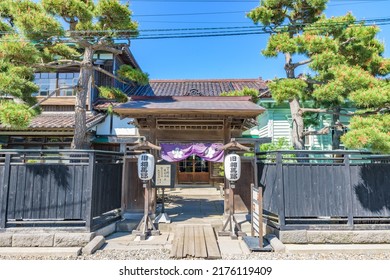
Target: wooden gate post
pixel 231 222
pixel 280 186
pixel 349 187
pixel 146 226
pixel 4 191
pixel 90 192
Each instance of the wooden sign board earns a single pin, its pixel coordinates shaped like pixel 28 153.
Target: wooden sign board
pixel 255 210
pixel 216 170
pixel 165 175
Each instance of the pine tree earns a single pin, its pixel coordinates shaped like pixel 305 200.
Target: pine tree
pixel 345 60
pixel 285 20
pixel 36 40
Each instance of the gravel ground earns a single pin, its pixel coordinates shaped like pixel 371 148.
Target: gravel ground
pixel 143 254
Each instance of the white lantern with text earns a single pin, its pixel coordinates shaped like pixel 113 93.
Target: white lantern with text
pixel 146 167
pixel 232 167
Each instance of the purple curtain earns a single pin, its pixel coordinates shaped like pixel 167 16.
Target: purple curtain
pixel 178 152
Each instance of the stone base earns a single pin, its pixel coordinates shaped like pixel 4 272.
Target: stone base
pixel 127 225
pixel 45 237
pixel 331 236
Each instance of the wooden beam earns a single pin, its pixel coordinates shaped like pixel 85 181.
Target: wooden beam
pixel 145 145
pixel 235 144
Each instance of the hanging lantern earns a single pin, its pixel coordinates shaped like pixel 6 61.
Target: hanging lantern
pixel 146 167
pixel 232 167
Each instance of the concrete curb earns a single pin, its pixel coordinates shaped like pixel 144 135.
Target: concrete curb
pixel 338 248
pixel 94 245
pixel 41 251
pixel 275 243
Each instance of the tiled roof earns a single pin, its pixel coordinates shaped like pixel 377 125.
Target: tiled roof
pixel 212 87
pixel 103 104
pixel 61 120
pixel 189 105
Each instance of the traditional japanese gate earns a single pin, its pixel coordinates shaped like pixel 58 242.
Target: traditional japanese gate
pixel 181 120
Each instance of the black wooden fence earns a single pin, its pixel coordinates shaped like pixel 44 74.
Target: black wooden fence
pixel 59 188
pixel 319 189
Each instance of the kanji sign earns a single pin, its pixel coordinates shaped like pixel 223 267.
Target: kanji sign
pixel 232 167
pixel 146 167
pixel 163 175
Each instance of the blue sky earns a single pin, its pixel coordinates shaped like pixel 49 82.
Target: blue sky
pixel 221 57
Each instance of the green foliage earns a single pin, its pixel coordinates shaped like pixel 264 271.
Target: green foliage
pixel 281 144
pixel 274 12
pixel 113 93
pixel 112 15
pixel 278 145
pixel 348 81
pixel 372 132
pixel 323 61
pixel 334 26
pixel 17 81
pixel 37 28
pixel 244 92
pixel 129 73
pixel 280 43
pixel 70 9
pixel 17 51
pixel 15 115
pixel 63 51
pixel 286 89
pixel 32 20
pixel 374 97
pixel 346 58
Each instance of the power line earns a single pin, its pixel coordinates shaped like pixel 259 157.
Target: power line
pixel 197 22
pixel 189 14
pixel 237 12
pixel 202 32
pixel 242 1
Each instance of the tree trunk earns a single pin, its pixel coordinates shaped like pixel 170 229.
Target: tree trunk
pixel 297 137
pixel 80 139
pixel 337 130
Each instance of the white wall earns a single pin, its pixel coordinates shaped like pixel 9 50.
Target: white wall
pixel 119 127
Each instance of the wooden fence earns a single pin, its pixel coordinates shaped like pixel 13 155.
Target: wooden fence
pixel 59 188
pixel 319 189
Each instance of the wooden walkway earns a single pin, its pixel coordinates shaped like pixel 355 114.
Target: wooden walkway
pixel 197 241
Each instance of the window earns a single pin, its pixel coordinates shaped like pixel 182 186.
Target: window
pixel 36 142
pixel 49 82
pixel 67 80
pixel 193 164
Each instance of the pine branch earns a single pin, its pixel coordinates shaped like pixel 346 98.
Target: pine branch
pixel 324 111
pixel 264 93
pixel 101 47
pixel 295 65
pixel 347 41
pixel 348 114
pixel 59 64
pixel 309 80
pixel 82 42
pixel 322 131
pixel 110 75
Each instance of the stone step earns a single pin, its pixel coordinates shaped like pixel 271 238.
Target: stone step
pixel 215 222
